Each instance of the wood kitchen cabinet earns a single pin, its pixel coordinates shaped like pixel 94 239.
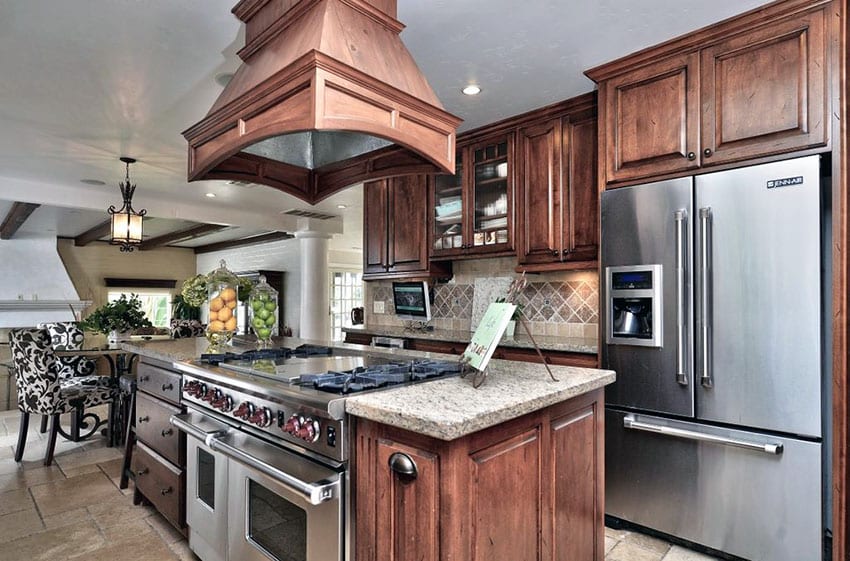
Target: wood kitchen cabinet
pixel 530 488
pixel 557 195
pixel 473 210
pixel 746 88
pixel 395 221
pixel 159 458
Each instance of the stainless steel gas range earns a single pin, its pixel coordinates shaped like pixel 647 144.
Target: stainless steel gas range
pixel 268 458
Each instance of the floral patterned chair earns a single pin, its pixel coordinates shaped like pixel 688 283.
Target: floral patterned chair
pixel 42 391
pixel 181 328
pixel 67 336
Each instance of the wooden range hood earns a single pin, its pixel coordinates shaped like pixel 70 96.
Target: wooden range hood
pixel 327 96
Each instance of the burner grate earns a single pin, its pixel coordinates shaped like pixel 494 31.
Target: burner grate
pixel 377 376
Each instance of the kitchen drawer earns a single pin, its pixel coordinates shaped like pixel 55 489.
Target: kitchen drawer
pixel 154 429
pixel 159 382
pixel 161 483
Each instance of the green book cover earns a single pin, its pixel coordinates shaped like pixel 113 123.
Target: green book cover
pixel 486 338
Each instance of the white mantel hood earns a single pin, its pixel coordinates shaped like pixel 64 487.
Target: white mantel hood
pixel 34 285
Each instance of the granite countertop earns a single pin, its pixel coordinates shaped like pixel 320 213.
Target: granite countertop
pixel 451 408
pixel 521 341
pixel 447 408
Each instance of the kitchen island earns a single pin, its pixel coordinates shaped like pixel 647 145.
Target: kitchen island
pixel 511 470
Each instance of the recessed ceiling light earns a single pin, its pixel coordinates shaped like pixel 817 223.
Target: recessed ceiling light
pixel 471 89
pixel 211 195
pixel 341 207
pixel 92 182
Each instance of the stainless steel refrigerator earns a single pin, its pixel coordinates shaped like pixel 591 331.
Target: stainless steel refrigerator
pixel 712 315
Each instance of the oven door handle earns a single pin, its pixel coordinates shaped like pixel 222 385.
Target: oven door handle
pixel 182 423
pixel 314 493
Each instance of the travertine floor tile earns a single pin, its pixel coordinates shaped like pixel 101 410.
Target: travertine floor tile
pixel 609 544
pixel 89 457
pixel 143 547
pixel 61 543
pixel 626 551
pixel 19 524
pixel 13 501
pixel 128 532
pixel 166 531
pixel 681 554
pixel 69 494
pixel 24 478
pixel 648 542
pixel 615 533
pixel 67 518
pixel 181 549
pixel 118 510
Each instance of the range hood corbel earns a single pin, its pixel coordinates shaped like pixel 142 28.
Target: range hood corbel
pixel 327 96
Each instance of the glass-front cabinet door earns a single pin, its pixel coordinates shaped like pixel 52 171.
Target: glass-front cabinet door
pixel 448 211
pixel 490 201
pixel 472 208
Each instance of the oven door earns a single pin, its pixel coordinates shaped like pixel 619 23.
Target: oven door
pixel 297 518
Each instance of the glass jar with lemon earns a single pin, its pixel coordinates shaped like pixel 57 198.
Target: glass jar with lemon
pixel 222 291
pixel 263 309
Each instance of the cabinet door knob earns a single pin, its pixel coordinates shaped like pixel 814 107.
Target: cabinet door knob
pixel 692 156
pixel 165 491
pixel 167 387
pixel 144 419
pixel 707 152
pixel 555 253
pixel 167 432
pixel 142 471
pixel 144 378
pixel 403 465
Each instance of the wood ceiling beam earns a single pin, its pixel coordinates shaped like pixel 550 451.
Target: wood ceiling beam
pixel 16 217
pixel 252 240
pixel 93 234
pixel 181 235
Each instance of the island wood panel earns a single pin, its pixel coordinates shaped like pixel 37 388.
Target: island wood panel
pixel 374 227
pixel 497 489
pixel 651 119
pixel 764 92
pixel 539 192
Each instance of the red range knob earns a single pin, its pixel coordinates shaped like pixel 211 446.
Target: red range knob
pixel 211 395
pixel 244 411
pixel 262 417
pixel 293 424
pixel 224 403
pixel 309 430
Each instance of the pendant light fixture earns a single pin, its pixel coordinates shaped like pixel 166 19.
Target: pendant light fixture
pixel 126 222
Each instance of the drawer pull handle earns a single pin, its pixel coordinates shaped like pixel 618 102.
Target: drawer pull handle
pixel 167 432
pixel 142 471
pixel 403 465
pixel 144 419
pixel 144 378
pixel 167 387
pixel 165 491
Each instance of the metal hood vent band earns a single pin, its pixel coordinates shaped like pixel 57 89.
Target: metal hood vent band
pixel 327 96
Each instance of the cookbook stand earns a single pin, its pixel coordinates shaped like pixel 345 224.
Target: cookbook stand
pixel 479 374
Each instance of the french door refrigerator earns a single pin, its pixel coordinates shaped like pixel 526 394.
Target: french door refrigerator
pixel 711 306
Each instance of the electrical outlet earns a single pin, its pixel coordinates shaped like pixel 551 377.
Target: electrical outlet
pixel 378 306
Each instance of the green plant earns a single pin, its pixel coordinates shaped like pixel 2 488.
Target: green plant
pixel 517 312
pixel 122 315
pixel 180 309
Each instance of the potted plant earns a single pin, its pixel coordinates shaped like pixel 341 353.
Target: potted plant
pixel 181 309
pixel 118 316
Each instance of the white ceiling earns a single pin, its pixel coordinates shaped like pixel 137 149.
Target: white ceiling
pixel 87 81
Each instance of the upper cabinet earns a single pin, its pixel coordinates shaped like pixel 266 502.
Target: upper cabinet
pixel 557 201
pixel 746 88
pixel 472 210
pixel 395 218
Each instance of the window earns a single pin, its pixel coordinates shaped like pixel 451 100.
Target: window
pixel 156 305
pixel 346 288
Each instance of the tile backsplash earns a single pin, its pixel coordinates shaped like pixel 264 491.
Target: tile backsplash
pixel 564 304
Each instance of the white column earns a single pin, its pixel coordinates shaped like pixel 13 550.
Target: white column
pixel 315 297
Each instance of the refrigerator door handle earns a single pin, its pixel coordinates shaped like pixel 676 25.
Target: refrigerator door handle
pixel 706 378
pixel 681 218
pixel 772 448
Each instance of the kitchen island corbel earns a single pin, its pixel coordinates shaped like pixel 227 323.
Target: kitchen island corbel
pixel 510 471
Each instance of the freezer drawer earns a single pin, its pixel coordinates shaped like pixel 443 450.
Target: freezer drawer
pixel 763 505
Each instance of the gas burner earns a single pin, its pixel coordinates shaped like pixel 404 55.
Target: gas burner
pixel 312 350
pixel 216 358
pixel 378 376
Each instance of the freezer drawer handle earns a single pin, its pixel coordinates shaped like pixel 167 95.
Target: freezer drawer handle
pixel 706 378
pixel 681 217
pixel 629 422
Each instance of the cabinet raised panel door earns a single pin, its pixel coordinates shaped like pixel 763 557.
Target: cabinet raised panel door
pixel 407 217
pixel 539 192
pixel 764 92
pixel 375 227
pixel 651 117
pixel 581 197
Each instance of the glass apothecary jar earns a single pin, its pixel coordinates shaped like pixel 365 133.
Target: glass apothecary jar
pixel 263 311
pixel 222 291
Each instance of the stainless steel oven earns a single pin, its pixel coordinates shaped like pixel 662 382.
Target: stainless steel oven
pixel 249 501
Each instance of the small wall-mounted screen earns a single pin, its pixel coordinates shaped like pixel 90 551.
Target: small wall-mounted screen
pixel 412 300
